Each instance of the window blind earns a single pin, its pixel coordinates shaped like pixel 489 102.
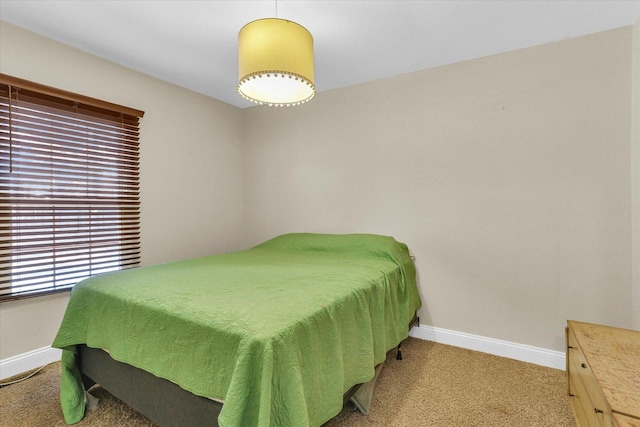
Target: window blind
pixel 69 188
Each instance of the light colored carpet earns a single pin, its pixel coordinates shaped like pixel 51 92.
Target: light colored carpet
pixel 435 385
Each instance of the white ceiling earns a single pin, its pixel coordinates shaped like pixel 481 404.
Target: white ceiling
pixel 194 43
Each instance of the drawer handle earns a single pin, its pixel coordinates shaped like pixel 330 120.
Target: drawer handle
pixel 598 411
pixel 583 365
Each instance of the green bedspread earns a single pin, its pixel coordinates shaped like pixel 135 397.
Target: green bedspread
pixel 278 332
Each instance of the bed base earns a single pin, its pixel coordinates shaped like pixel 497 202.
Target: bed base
pixel 163 402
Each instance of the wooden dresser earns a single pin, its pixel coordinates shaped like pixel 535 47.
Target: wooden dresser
pixel 603 368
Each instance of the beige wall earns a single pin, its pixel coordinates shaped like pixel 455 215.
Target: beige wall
pixel 508 177
pixel 635 174
pixel 191 167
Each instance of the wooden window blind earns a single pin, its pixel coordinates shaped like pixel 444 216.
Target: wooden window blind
pixel 69 188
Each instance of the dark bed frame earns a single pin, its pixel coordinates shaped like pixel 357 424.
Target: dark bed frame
pixel 163 402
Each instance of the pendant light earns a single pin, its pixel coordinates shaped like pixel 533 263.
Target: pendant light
pixel 275 63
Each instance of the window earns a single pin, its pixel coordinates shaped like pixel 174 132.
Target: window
pixel 69 188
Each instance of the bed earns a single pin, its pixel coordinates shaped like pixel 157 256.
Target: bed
pixel 275 335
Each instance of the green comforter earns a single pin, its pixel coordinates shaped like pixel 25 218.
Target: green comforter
pixel 278 332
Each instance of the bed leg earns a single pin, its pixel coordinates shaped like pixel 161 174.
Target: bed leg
pixel 414 322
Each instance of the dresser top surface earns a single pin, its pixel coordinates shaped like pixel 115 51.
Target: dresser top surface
pixel 613 354
pixel 624 421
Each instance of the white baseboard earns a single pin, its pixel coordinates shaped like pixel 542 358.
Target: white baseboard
pixel 24 362
pixel 540 356
pixel 522 352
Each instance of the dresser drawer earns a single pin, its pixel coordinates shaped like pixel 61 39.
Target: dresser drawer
pixel 581 382
pixel 582 406
pixel 588 401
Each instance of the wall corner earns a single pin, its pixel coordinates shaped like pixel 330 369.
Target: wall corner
pixel 635 176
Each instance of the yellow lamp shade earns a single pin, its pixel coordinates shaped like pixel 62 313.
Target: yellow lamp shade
pixel 275 62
